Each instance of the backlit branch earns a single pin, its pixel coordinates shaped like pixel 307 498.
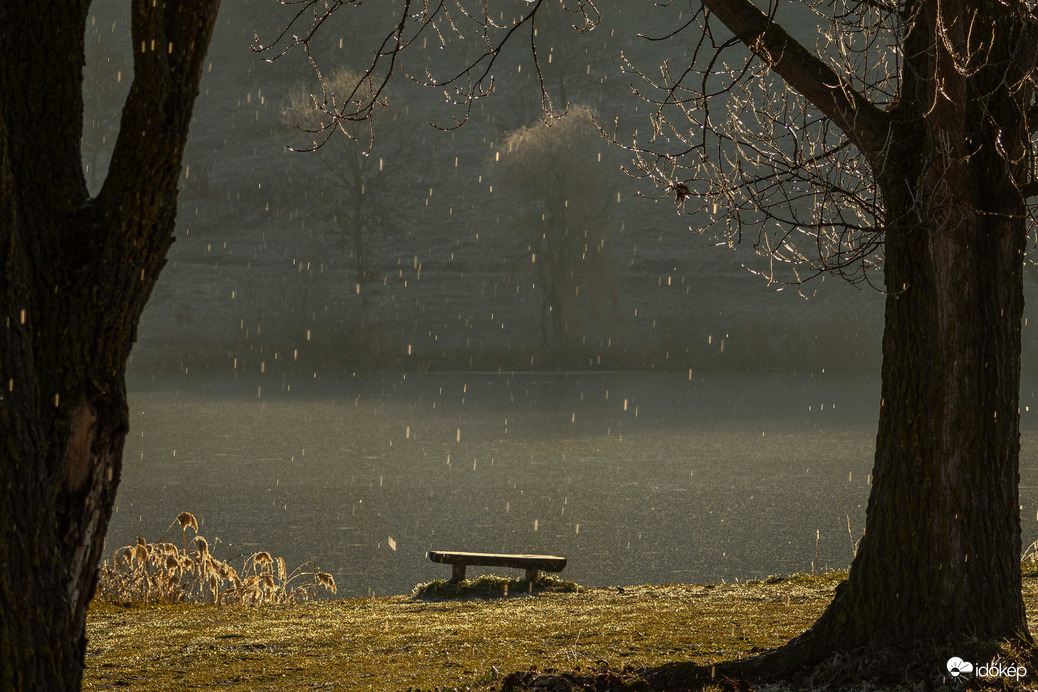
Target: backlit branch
pixel 861 120
pixel 748 159
pixel 448 21
pixel 756 135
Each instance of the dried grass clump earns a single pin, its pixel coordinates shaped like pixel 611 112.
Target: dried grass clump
pixel 160 573
pixel 1029 559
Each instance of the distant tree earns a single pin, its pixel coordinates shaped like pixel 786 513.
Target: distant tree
pixel 560 70
pixel 372 180
pixel 555 166
pixel 77 272
pixel 901 138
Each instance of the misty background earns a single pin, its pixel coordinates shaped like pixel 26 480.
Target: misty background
pixel 302 278
pixel 263 274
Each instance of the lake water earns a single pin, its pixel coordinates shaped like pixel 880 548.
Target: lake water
pixel 635 478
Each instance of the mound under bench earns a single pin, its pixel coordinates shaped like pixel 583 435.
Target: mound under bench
pixel 533 564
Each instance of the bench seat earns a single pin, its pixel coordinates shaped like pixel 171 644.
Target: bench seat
pixel 533 564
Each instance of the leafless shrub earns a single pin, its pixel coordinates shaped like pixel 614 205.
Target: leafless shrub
pixel 160 573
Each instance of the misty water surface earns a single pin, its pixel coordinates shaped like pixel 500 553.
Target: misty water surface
pixel 636 478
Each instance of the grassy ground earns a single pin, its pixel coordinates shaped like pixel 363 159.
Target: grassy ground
pixel 401 643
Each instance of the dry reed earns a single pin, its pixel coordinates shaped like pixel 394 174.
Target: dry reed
pixel 160 573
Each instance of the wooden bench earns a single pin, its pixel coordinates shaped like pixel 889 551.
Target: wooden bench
pixel 533 564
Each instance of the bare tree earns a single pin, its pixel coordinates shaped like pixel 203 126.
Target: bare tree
pixel 77 272
pixel 903 138
pixel 556 168
pixel 370 181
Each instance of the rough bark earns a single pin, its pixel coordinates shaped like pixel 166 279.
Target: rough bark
pixel 940 560
pixel 77 273
pixel 939 563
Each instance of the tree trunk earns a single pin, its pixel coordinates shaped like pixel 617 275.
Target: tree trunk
pixel 357 231
pixel 940 559
pixel 77 274
pixel 939 564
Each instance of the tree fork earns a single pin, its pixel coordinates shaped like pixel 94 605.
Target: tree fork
pixel 75 278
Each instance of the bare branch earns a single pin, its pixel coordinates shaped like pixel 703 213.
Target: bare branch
pixel 462 86
pixel 861 120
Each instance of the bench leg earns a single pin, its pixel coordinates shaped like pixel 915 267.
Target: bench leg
pixel 458 572
pixel 531 574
